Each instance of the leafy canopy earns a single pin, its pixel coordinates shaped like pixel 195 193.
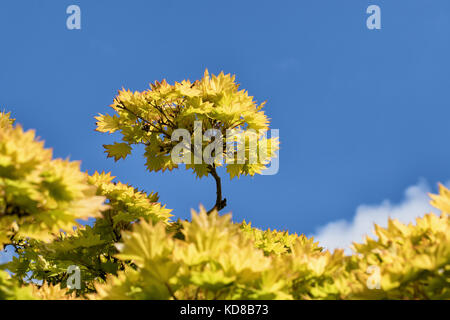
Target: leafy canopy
pixel 151 117
pixel 219 259
pixel 92 249
pixel 39 196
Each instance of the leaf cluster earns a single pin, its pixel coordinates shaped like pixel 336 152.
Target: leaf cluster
pixel 150 118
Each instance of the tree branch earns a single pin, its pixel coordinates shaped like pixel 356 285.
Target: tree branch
pixel 159 130
pixel 170 291
pixel 220 203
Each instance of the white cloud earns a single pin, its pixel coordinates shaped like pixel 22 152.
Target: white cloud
pixel 342 233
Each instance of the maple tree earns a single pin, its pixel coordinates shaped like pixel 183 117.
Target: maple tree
pixel 132 248
pixel 151 117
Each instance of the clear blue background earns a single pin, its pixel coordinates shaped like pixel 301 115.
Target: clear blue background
pixel 362 113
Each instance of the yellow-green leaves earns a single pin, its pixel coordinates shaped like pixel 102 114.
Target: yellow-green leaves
pixel 11 290
pixel 411 261
pixel 128 204
pixel 52 292
pixel 218 259
pixel 39 196
pixel 117 150
pixel 215 260
pixel 150 117
pixel 106 123
pixel 5 120
pixel 90 248
pixel 276 242
pixel 441 200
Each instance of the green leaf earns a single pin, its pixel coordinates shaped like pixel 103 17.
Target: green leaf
pixel 117 150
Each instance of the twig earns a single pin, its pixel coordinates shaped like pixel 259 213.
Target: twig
pixel 220 203
pixel 160 130
pixel 170 291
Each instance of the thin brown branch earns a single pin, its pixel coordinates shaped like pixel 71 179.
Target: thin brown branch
pixel 220 203
pixel 170 291
pixel 161 110
pixel 160 130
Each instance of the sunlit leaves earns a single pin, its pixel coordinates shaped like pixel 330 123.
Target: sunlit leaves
pixel 220 259
pixel 52 292
pixel 106 123
pixel 117 150
pixel 39 196
pixel 150 117
pixel 410 258
pixel 213 260
pixel 11 290
pixel 92 249
pixel 441 200
pixel 128 204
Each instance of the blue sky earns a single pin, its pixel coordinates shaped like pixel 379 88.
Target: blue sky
pixel 363 114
